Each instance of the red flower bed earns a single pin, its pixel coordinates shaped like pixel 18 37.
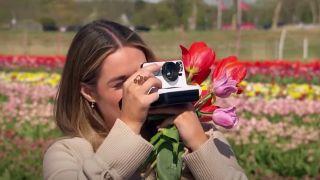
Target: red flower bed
pixel 275 68
pixel 315 65
pixel 25 61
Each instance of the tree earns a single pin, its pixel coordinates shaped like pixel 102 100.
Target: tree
pixel 167 14
pixel 193 18
pixel 276 14
pixel 182 11
pixel 313 8
pixel 62 11
pixel 21 10
pixel 318 5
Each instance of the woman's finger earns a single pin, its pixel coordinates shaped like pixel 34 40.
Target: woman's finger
pixel 152 67
pixel 152 82
pixel 151 98
pixel 142 75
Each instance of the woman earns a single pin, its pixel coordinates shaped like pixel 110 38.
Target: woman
pixel 104 142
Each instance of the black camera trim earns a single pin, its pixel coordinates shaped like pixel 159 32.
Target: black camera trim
pixel 176 97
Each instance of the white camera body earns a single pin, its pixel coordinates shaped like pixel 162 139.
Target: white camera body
pixel 175 89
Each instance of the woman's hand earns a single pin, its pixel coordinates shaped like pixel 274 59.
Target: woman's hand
pixel 187 123
pixel 136 99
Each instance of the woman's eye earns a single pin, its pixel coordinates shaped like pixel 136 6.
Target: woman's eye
pixel 118 85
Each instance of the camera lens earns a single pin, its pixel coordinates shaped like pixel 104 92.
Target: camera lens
pixel 170 71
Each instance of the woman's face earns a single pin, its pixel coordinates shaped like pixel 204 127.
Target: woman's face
pixel 116 68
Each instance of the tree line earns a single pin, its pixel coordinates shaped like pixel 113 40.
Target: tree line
pixel 167 14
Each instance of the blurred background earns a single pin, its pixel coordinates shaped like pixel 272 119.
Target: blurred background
pixel 279 40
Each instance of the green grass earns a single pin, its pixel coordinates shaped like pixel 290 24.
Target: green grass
pixel 255 45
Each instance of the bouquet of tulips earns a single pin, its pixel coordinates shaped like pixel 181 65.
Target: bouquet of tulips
pixel 216 79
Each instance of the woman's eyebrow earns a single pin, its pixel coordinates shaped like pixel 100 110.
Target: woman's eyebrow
pixel 118 78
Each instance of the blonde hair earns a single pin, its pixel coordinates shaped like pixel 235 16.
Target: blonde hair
pixel 90 46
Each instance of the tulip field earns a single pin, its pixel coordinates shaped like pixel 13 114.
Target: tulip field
pixel 277 137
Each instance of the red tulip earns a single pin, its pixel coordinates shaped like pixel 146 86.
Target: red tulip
pixel 197 61
pixel 232 67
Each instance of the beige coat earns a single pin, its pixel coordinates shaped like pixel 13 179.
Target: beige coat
pixel 122 152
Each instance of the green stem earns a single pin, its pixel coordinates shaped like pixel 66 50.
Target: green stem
pixel 202 101
pixel 204 113
pixel 190 76
pixel 149 170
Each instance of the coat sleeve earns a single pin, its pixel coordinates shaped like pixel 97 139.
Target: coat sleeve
pixel 214 160
pixel 118 157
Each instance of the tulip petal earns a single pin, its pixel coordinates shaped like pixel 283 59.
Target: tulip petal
pixel 224 87
pixel 185 57
pixel 195 47
pixel 201 76
pixel 220 68
pixel 219 82
pixel 198 61
pixel 225 117
pixel 205 58
pixel 236 71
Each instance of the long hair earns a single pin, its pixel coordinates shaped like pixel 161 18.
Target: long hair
pixel 89 48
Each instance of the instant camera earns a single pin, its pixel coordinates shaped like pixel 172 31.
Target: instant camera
pixel 175 89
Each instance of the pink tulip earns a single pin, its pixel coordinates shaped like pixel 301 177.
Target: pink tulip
pixel 226 76
pixel 225 117
pixel 224 86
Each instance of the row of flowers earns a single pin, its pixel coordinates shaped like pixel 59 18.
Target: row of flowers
pixel 35 78
pixel 284 65
pixel 273 90
pixel 284 80
pixel 282 134
pixel 275 69
pixel 271 67
pixel 25 100
pixel 29 104
pixel 266 90
pixel 282 106
pixel 25 61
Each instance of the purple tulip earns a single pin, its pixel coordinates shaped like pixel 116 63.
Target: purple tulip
pixel 225 117
pixel 224 86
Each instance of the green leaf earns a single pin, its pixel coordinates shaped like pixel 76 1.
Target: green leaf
pixel 156 141
pixel 155 138
pixel 175 148
pixel 158 144
pixel 167 154
pixel 169 164
pixel 172 132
